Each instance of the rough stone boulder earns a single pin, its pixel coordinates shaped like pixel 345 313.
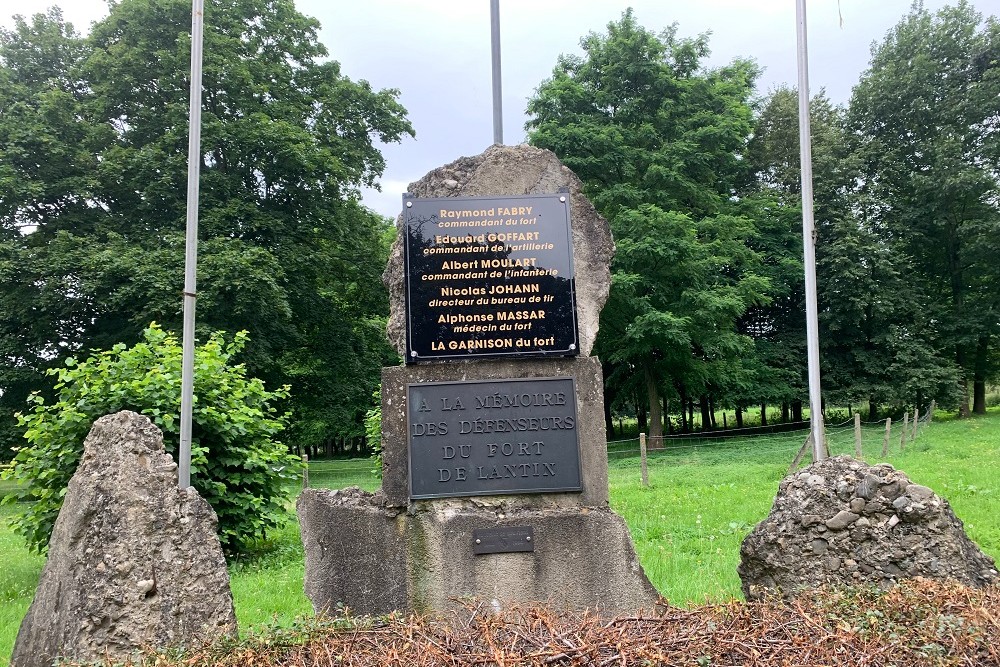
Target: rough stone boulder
pixel 518 170
pixel 843 522
pixel 133 561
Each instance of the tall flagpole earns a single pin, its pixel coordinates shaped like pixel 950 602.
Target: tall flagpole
pixel 809 241
pixel 495 41
pixel 191 244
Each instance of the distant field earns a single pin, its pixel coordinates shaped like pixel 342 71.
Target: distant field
pixel 704 497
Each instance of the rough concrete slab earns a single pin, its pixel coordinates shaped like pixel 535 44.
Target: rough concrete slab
pixel 133 561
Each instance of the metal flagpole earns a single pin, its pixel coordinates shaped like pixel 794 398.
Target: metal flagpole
pixel 809 240
pixel 497 103
pixel 191 243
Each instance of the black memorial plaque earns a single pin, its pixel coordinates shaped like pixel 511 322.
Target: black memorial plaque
pixel 503 540
pixel 492 437
pixel 489 277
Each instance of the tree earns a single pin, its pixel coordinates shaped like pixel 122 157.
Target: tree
pixel 773 198
pixel 657 141
pixel 287 252
pixel 46 169
pixel 237 463
pixel 925 117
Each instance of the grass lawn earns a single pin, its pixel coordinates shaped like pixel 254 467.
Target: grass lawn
pixel 18 578
pixel 704 496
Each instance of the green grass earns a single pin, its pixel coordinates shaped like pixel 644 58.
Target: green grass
pixel 20 570
pixel 339 474
pixel 704 496
pixel 267 584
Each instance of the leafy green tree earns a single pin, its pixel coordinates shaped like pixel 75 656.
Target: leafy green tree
pixel 657 140
pixel 879 343
pixel 925 116
pixel 46 169
pixel 237 463
pixel 773 199
pixel 287 252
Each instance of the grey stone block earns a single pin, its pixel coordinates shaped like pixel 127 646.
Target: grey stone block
pixel 374 559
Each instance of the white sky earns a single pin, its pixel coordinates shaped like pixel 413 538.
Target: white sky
pixel 437 53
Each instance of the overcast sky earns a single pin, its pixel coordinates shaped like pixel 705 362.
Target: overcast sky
pixel 437 53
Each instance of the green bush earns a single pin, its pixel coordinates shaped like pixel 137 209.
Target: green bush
pixel 373 431
pixel 992 397
pixel 237 465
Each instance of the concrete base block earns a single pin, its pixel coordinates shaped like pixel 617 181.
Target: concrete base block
pixel 375 559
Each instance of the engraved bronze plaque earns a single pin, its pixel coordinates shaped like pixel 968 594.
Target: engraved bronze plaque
pixel 505 540
pixel 492 437
pixel 489 277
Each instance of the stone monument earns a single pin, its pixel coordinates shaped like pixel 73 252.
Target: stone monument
pixel 843 522
pixel 133 561
pixel 495 482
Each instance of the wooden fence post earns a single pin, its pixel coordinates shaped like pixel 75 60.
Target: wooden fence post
pixel 916 418
pixel 902 436
pixel 305 471
pixel 857 436
pixel 930 413
pixel 806 446
pixel 642 457
pixel 888 433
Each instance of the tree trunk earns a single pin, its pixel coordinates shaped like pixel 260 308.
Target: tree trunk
pixel 963 383
pixel 739 416
pixel 684 402
pixel 706 413
pixel 691 414
pixel 872 409
pixel 763 414
pixel 958 289
pixel 666 416
pixel 655 414
pixel 797 410
pixel 609 420
pixel 784 412
pixel 640 415
pixel 711 411
pixel 979 376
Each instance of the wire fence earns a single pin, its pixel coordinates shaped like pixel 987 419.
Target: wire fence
pixel 866 440
pixel 340 474
pixel 863 440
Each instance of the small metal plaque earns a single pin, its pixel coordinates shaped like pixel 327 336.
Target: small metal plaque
pixel 509 539
pixel 489 277
pixel 488 437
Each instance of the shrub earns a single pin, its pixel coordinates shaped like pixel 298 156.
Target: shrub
pixel 237 464
pixel 373 431
pixel 992 397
